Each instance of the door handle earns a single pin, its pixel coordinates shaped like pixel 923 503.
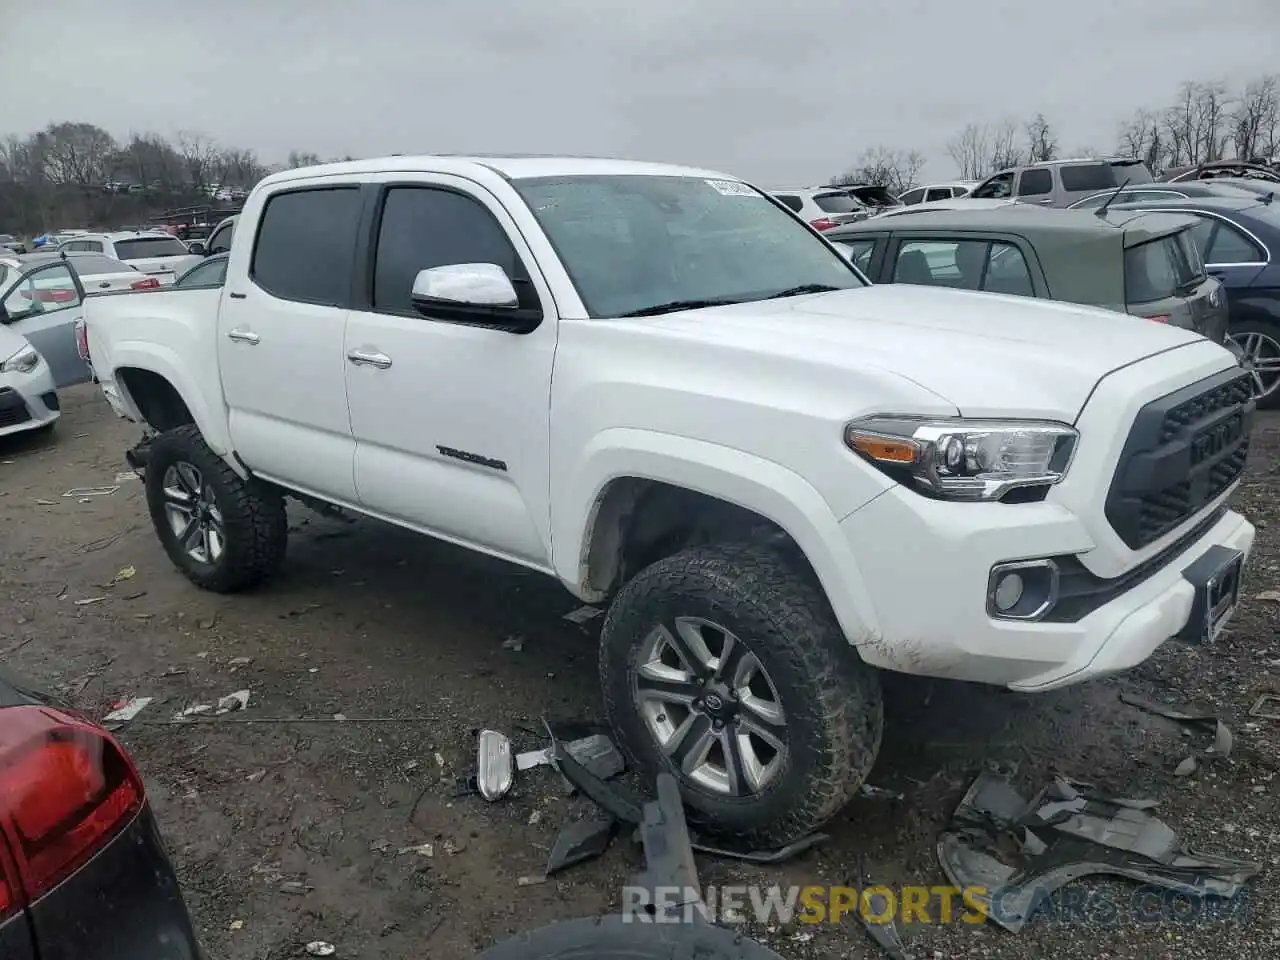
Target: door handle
pixel 243 336
pixel 366 359
pixel 1046 201
pixel 104 285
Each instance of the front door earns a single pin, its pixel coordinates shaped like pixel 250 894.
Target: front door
pixel 280 341
pixel 450 419
pixel 43 307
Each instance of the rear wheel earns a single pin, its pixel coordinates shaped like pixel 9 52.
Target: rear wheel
pixel 223 532
pixel 726 668
pixel 1258 343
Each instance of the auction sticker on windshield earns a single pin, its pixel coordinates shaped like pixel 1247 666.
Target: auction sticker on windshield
pixel 732 188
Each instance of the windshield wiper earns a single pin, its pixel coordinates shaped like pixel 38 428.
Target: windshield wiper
pixel 674 305
pixel 802 289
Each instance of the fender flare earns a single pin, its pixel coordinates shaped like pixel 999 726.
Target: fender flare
pixel 764 487
pixel 164 362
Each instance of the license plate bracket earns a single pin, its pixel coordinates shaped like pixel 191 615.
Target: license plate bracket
pixel 1216 578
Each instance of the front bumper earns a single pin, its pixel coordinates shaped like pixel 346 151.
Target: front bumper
pixel 28 401
pixel 929 587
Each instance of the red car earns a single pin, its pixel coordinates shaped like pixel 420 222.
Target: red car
pixel 84 874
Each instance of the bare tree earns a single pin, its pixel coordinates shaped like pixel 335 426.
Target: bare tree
pixel 240 168
pixel 1142 137
pixel 75 154
pixel 896 170
pixel 971 151
pixel 1041 143
pixel 1194 123
pixel 1004 147
pixel 199 157
pixel 1255 118
pixel 300 159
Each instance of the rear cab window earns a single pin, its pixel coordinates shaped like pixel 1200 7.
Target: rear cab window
pixel 146 248
pixel 306 245
pixel 1163 268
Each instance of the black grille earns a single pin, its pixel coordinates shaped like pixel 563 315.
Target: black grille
pixel 1185 449
pixel 12 410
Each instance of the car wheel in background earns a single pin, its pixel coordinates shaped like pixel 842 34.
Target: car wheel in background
pixel 1258 343
pixel 223 532
pixel 726 668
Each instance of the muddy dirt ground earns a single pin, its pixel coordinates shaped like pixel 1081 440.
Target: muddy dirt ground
pixel 286 832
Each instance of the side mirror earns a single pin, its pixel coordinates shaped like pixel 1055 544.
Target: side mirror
pixel 196 247
pixel 476 293
pixel 466 284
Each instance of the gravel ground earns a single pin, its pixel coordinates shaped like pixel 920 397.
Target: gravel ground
pixel 285 832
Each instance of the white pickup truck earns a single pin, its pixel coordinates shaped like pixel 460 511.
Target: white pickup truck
pixel 658 386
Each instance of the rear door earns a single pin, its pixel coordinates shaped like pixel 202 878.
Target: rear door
pixel 43 306
pixel 280 340
pixel 1035 185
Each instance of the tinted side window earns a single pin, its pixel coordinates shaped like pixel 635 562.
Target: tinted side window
pixel 938 193
pixel 859 252
pixel 912 196
pixel 1229 245
pixel 1035 183
pixel 305 244
pixel 941 263
pixel 789 201
pixel 1007 271
pixel 1088 176
pixel 423 227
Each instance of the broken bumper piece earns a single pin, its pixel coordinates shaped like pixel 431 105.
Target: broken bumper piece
pixel 1019 853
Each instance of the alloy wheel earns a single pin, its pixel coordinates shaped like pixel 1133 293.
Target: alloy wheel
pixel 1260 355
pixel 711 706
pixel 193 514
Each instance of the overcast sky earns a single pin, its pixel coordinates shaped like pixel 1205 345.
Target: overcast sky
pixel 775 92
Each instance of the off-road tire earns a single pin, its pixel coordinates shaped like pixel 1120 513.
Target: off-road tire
pixel 830 697
pixel 253 516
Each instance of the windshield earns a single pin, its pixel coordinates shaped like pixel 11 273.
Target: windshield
pixel 1163 268
pixel 144 247
pixel 649 244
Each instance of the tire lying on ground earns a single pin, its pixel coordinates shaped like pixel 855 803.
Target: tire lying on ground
pixel 725 666
pixel 223 532
pixel 617 938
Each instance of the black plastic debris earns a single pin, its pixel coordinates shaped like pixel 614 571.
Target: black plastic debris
pixel 669 864
pixel 613 800
pixel 1223 741
pixel 581 841
pixel 764 856
pixel 884 934
pixel 1026 850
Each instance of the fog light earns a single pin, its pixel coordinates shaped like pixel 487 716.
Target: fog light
pixel 1022 589
pixel 1008 591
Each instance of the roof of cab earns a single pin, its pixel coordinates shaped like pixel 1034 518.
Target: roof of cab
pixel 510 166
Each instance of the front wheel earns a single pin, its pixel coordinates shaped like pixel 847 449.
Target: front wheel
pixel 1258 345
pixel 726 668
pixel 223 532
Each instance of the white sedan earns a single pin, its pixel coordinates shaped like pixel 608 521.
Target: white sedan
pixel 28 400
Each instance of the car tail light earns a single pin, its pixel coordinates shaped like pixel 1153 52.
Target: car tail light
pixel 66 789
pixel 150 283
pixel 51 296
pixel 822 223
pixel 82 340
pixel 1162 318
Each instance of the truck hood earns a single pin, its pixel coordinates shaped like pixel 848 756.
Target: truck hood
pixel 986 355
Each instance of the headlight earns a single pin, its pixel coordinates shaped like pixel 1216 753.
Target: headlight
pixel 24 361
pixel 965 459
